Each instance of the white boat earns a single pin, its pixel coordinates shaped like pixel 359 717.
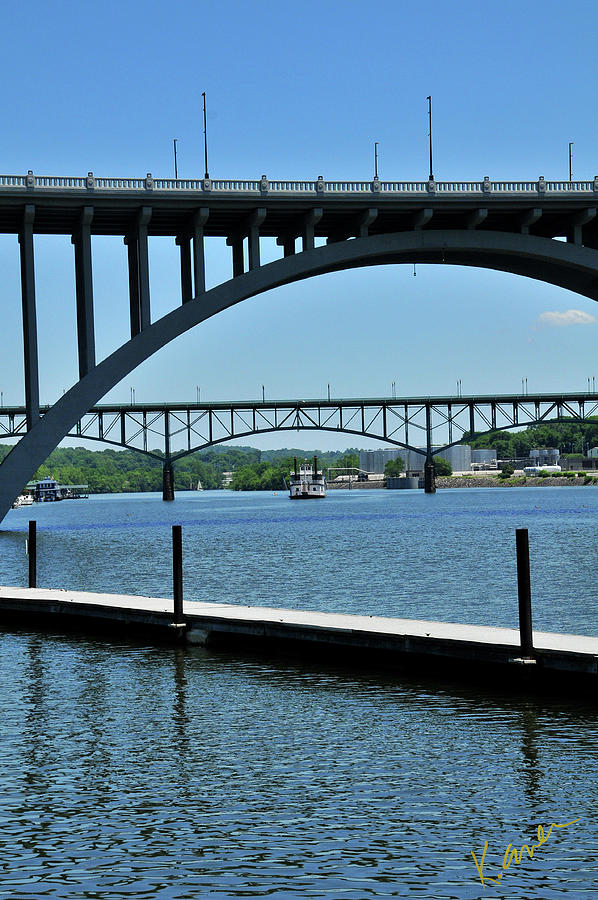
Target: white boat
pixel 306 483
pixel 23 500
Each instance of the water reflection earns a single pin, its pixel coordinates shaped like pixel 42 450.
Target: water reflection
pixel 190 772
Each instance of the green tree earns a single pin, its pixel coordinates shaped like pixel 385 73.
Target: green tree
pixel 442 466
pixel 394 467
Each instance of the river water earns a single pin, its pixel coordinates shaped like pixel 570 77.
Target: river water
pixel 129 770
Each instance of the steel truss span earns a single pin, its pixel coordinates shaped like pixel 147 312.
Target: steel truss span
pixel 507 226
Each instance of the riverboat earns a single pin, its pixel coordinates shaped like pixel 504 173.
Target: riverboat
pixel 306 483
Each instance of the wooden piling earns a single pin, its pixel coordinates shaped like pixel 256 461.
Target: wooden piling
pixel 177 572
pixel 32 552
pixel 524 591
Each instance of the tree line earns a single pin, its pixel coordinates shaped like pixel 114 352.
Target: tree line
pixel 120 471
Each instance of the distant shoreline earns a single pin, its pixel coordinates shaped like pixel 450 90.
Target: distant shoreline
pixel 514 481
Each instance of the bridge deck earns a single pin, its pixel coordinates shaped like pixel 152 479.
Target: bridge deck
pixel 453 649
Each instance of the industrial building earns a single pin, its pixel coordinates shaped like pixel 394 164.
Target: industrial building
pixel 373 461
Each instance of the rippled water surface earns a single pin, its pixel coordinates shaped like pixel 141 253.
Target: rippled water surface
pixel 129 770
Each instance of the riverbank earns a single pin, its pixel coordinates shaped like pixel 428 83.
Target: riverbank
pixel 465 481
pixel 479 481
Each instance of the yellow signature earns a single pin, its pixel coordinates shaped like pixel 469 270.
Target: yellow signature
pixel 511 853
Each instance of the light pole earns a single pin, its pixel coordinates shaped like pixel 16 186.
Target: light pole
pixel 430 135
pixel 328 390
pixel 198 392
pixel 570 155
pixel 376 159
pixel 205 136
pixel 263 394
pixel 176 170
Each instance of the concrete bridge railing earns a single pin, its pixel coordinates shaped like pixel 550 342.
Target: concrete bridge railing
pixel 319 186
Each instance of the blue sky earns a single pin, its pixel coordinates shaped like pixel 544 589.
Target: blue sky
pixel 295 92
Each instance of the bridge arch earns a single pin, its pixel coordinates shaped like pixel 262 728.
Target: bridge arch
pixel 567 265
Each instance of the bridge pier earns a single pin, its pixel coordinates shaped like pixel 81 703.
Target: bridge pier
pixel 429 476
pixel 168 481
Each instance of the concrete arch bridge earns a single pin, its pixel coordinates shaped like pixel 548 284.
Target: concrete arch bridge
pixel 169 432
pixel 547 230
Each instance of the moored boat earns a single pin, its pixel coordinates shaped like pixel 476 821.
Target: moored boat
pixel 306 483
pixel 23 500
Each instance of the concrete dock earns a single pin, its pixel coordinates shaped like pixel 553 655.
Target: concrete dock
pixel 452 650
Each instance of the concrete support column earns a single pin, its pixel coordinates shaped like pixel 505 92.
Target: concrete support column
pixel 310 220
pixel 365 220
pixel 84 291
pixel 167 470
pixel 287 242
pixel 255 221
pixel 529 218
pixel 236 242
pixel 429 472
pixel 167 481
pixel 144 286
pixel 476 217
pixel 184 243
pixel 29 317
pixel 576 235
pixel 133 260
pixel 421 218
pixel 139 294
pixel 429 476
pixel 199 260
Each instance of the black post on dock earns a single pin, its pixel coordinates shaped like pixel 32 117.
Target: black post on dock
pixel 525 592
pixel 177 572
pixel 32 553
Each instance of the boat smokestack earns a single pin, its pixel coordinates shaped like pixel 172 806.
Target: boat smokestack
pixel 296 469
pixel 315 465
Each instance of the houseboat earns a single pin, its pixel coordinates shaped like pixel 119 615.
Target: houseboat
pixel 306 483
pixel 48 490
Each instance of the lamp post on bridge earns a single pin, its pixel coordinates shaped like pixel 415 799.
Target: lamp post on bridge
pixel 205 136
pixel 429 99
pixel 263 394
pixel 376 160
pixel 328 390
pixel 176 170
pixel 570 155
pixel 198 393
